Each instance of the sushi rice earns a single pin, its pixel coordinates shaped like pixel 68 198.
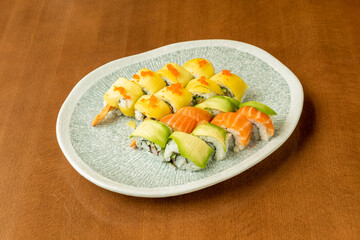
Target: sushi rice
pixel 149 146
pixel 139 116
pixel 260 131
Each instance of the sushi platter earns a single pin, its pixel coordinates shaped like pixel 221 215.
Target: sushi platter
pixel 178 118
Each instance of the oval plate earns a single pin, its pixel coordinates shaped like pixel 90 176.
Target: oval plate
pixel 102 154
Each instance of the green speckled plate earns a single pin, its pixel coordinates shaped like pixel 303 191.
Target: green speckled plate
pixel 102 154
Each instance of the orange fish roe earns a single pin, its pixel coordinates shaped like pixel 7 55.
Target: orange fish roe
pixel 175 88
pixel 203 80
pixel 173 70
pixel 135 76
pixel 153 101
pixel 147 73
pixel 226 72
pixel 202 63
pixel 122 91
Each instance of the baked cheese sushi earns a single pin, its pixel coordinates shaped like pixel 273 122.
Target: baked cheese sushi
pixel 151 107
pixel 175 96
pixel 202 88
pixel 149 81
pixel 123 95
pixel 199 67
pixel 231 84
pixel 174 73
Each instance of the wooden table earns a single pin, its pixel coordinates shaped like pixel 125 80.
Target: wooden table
pixel 307 189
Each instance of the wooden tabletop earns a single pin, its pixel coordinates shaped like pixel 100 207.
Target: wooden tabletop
pixel 308 189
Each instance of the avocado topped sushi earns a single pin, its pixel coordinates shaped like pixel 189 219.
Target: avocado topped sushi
pixel 216 137
pixel 151 136
pixel 187 152
pixel 217 104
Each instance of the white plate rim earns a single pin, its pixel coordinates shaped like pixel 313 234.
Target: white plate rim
pixel 65 113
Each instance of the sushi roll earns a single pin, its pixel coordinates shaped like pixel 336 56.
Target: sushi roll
pixel 196 113
pixel 202 89
pixel 175 96
pixel 236 124
pixel 200 67
pixel 179 122
pixel 216 138
pixel 231 84
pixel 174 73
pixel 258 114
pixel 151 136
pixel 217 104
pixel 149 81
pixel 151 107
pixel 187 152
pixel 123 95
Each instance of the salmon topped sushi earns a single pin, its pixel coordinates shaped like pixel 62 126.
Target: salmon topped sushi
pixel 180 122
pixel 236 124
pixel 259 118
pixel 196 113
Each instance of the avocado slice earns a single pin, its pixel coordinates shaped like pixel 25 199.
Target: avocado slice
pixel 192 148
pixel 218 103
pixel 153 131
pixel 233 100
pixel 260 107
pixel 211 130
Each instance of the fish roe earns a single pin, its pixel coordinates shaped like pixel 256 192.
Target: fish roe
pixel 122 91
pixel 226 72
pixel 147 73
pixel 173 70
pixel 175 88
pixel 203 81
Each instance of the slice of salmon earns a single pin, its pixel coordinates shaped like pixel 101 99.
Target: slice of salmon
pixel 259 119
pixel 180 122
pixel 196 113
pixel 238 125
